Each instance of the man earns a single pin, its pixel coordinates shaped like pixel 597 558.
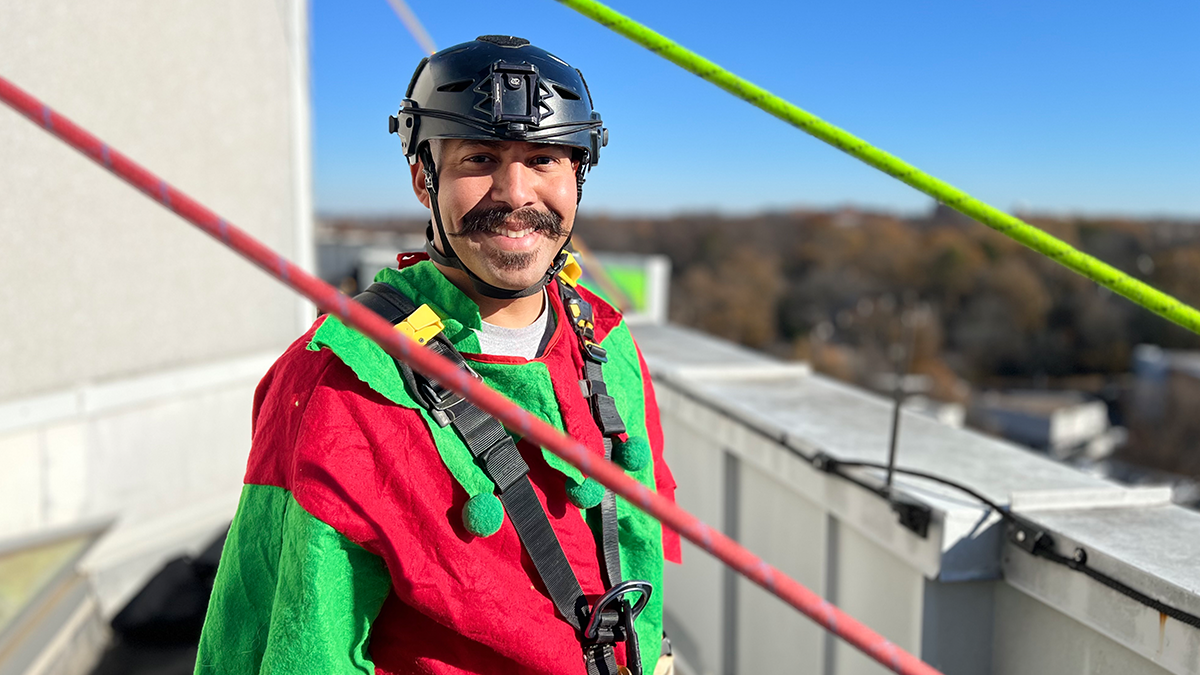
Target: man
pixel 389 526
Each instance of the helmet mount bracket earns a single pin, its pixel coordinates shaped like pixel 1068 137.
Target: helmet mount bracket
pixel 514 96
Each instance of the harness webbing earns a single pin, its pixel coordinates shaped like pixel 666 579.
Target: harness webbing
pixel 604 411
pixel 1056 249
pixel 430 364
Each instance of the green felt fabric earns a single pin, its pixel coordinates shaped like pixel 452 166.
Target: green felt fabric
pixel 425 285
pixel 483 515
pixel 640 535
pixel 585 495
pixel 633 454
pixel 291 594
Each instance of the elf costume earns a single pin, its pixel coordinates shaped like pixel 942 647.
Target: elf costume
pixel 368 539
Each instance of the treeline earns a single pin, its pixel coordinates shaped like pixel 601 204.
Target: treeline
pixel 832 287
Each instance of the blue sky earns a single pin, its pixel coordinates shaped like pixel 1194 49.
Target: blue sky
pixel 1067 107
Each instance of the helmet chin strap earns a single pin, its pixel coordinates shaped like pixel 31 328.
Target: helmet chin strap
pixel 451 259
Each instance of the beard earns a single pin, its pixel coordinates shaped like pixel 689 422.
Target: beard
pixel 495 219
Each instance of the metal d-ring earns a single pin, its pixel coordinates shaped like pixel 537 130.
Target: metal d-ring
pixel 616 593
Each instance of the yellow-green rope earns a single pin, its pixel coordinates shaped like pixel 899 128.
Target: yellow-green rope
pixel 1068 256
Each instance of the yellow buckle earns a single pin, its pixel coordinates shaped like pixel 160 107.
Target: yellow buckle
pixel 422 325
pixel 571 271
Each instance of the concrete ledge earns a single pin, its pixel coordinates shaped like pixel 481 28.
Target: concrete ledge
pixel 1094 498
pixel 728 402
pixel 91 399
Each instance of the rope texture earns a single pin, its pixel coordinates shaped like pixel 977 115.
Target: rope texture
pixel 1056 249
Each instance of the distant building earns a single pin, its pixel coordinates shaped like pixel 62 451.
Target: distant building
pixel 1156 370
pixel 1164 427
pixel 1063 424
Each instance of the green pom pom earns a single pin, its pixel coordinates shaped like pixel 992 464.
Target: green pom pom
pixel 483 515
pixel 633 454
pixel 585 495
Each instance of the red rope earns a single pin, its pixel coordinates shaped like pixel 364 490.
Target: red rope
pixel 432 365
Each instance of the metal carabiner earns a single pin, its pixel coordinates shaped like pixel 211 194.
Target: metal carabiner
pixel 616 592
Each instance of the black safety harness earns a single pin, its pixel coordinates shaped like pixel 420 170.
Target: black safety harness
pixel 611 619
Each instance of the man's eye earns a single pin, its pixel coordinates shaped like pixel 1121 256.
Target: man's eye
pixel 477 159
pixel 545 160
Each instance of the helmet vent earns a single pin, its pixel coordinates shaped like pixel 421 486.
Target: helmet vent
pixel 455 87
pixel 503 40
pixel 567 94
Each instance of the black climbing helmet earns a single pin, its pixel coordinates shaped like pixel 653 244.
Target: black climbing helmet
pixel 496 88
pixel 499 88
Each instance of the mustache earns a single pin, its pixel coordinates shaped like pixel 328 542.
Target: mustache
pixel 496 218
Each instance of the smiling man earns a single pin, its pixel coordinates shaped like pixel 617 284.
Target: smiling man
pixel 389 526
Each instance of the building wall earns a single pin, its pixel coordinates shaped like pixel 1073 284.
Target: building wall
pixel 1032 637
pixel 100 282
pixel 133 342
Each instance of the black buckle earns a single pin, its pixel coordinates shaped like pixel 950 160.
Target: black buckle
pixel 439 405
pixel 560 261
pixel 435 400
pixel 601 616
pixel 596 352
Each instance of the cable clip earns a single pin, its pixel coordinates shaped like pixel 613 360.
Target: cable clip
pixel 912 514
pixel 823 462
pixel 1028 536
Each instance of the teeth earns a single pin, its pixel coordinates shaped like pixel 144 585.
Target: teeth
pixel 516 234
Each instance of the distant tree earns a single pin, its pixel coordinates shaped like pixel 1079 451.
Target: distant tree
pixel 734 298
pixel 952 262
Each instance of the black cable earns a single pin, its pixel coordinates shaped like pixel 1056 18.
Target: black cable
pixel 1079 564
pixel 1043 549
pixel 1002 512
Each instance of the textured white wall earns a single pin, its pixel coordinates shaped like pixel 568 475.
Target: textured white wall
pixel 132 342
pixel 1031 637
pixel 98 282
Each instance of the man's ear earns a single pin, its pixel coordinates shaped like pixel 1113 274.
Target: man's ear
pixel 418 182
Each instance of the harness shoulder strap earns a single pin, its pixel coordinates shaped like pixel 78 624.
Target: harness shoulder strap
pixel 604 411
pixel 387 302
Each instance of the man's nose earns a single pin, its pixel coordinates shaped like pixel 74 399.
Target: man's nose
pixel 513 185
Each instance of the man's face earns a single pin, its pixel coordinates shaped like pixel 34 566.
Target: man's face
pixel 507 206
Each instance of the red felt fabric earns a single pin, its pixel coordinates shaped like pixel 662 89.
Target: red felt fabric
pixel 409 259
pixel 369 469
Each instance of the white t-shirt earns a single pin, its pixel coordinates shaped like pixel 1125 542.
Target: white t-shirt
pixel 525 342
